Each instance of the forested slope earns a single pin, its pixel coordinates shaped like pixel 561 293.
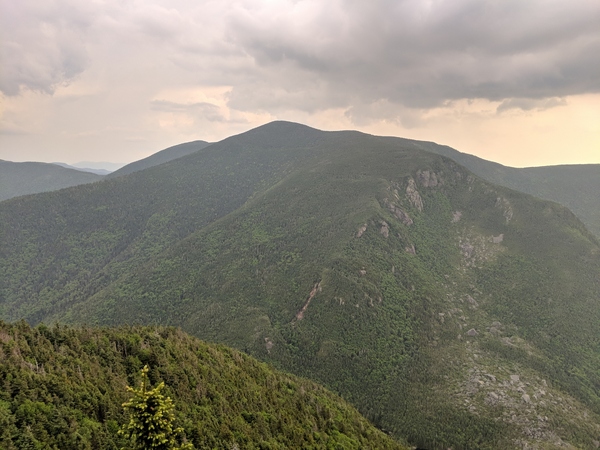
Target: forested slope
pixel 574 186
pixel 450 311
pixel 63 388
pixel 23 178
pixel 166 155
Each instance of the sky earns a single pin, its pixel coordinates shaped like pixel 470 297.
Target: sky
pixel 512 81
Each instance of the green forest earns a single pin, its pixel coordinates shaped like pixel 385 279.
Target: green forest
pixel 449 311
pixel 63 388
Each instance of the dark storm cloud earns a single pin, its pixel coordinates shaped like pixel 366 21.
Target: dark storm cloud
pixel 371 58
pixel 421 54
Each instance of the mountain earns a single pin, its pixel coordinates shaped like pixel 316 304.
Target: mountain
pixel 18 179
pixel 450 311
pixel 64 387
pixel 166 155
pixel 84 169
pixel 99 165
pixel 575 186
pixel 22 178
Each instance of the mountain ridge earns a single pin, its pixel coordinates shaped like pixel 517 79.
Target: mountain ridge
pixel 163 156
pixel 450 311
pixel 572 185
pixel 25 178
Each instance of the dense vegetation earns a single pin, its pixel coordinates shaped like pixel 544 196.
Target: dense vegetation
pixel 450 311
pixel 62 388
pixel 25 178
pixel 574 186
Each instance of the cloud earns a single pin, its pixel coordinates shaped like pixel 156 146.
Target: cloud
pixel 41 44
pixel 206 111
pixel 10 128
pixel 528 104
pixel 414 53
pixel 388 60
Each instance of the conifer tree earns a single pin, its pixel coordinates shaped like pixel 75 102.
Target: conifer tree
pixel 151 423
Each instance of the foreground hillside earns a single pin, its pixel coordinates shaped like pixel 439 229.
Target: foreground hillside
pixel 450 311
pixel 23 178
pixel 63 388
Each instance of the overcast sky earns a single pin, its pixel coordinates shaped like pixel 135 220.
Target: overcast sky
pixel 514 81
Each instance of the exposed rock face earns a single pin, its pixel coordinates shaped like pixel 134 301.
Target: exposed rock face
pixel 524 404
pixel 477 249
pixel 361 230
pixel 385 229
pixel 427 178
pixel 268 344
pixel 413 195
pixel 472 332
pixel 497 239
pixel 456 216
pixel 316 288
pixel 472 302
pixel 404 217
pixel 411 249
pixel 467 249
pixel 398 212
pixel 506 208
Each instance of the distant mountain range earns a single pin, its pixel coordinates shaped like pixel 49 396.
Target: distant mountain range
pixel 105 165
pixel 452 312
pixel 574 186
pixel 25 178
pixel 84 169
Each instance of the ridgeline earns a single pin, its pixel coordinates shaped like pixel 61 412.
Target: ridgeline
pixel 450 311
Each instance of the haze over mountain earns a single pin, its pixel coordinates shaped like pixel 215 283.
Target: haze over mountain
pixel 84 169
pixel 452 312
pixel 22 178
pixel 101 165
pixel 32 177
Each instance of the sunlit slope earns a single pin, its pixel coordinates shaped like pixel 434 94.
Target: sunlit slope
pixel 64 387
pixel 450 311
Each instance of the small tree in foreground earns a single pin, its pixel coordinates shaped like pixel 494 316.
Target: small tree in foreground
pixel 151 423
